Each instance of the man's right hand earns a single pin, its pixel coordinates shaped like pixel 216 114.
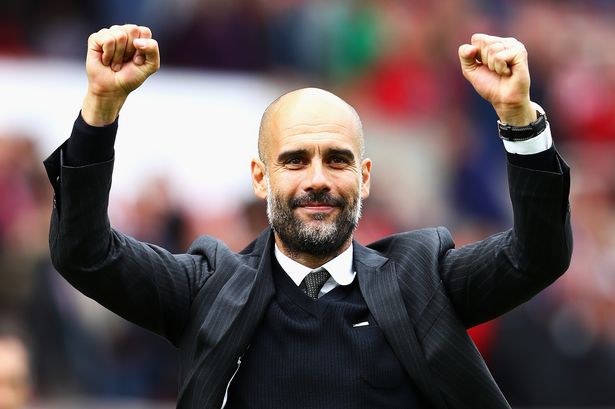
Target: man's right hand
pixel 119 60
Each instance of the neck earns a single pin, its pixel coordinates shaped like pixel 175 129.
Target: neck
pixel 307 259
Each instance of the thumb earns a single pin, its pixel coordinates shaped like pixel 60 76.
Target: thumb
pixel 467 57
pixel 147 52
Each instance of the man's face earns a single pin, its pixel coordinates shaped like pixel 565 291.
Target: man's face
pixel 315 180
pixel 315 222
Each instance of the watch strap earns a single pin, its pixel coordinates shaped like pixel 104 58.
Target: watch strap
pixel 523 133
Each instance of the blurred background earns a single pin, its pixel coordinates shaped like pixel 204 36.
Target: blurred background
pixel 187 136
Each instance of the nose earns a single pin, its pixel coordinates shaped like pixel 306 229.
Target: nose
pixel 317 178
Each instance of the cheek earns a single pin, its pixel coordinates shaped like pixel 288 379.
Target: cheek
pixel 282 190
pixel 350 185
pixel 286 183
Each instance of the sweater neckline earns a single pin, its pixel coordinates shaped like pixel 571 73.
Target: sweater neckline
pixel 294 293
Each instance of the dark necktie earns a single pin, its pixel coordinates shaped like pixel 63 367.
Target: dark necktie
pixel 314 281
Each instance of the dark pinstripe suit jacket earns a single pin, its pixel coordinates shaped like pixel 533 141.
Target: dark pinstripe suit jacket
pixel 422 292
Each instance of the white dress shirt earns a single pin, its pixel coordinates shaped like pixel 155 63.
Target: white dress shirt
pixel 340 269
pixel 537 144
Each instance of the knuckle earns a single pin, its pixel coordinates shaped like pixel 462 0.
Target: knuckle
pixel 101 38
pixel 494 50
pixel 132 30
pixel 476 37
pixel 512 42
pixel 120 35
pixel 107 41
pixel 145 30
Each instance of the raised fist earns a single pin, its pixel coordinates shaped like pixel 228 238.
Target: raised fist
pixel 498 70
pixel 119 60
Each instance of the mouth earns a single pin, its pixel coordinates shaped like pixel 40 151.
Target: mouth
pixel 317 207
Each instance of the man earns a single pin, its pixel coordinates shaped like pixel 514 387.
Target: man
pixel 382 326
pixel 14 371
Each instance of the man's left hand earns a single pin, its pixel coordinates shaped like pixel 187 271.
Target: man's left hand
pixel 498 70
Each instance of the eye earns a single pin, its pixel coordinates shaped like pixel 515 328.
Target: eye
pixel 338 161
pixel 294 162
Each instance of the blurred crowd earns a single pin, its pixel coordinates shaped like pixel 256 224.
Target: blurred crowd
pixel 433 140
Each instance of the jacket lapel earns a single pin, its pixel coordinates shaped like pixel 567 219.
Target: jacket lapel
pixel 263 288
pixel 380 289
pixel 239 292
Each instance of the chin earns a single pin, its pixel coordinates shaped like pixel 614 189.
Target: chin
pixel 319 219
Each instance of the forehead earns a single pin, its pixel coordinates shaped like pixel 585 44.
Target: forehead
pixel 315 136
pixel 312 125
pixel 313 139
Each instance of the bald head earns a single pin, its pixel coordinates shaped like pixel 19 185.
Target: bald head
pixel 307 107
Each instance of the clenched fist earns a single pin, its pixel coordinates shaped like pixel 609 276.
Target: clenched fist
pixel 498 70
pixel 119 60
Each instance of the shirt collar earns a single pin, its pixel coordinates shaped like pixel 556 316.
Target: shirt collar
pixel 340 267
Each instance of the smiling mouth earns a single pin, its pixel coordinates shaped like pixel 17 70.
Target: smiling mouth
pixel 318 207
pixel 317 202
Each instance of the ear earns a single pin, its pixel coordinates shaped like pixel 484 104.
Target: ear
pixel 366 168
pixel 259 183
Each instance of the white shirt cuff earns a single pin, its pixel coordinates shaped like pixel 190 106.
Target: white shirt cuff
pixel 537 144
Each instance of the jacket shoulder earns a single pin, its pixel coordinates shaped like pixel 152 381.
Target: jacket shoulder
pixel 215 251
pixel 219 254
pixel 415 245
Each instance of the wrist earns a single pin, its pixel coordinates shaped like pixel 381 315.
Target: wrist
pixel 512 133
pixel 99 110
pixel 517 115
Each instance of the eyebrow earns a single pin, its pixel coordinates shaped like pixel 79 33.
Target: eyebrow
pixel 347 153
pixel 284 156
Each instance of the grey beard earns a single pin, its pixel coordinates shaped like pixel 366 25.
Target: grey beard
pixel 322 240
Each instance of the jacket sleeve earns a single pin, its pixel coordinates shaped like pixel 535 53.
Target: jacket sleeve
pixel 489 277
pixel 141 282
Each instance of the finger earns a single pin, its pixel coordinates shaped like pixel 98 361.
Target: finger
pixel 492 51
pixel 511 58
pixel 95 44
pixel 467 56
pixel 145 33
pixel 133 33
pixel 477 41
pixel 485 40
pixel 510 42
pixel 104 41
pixel 121 38
pixel 148 54
pixel 500 64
